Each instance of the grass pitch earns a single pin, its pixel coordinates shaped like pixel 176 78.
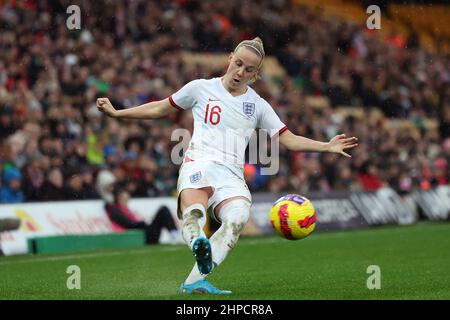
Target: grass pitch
pixel 414 263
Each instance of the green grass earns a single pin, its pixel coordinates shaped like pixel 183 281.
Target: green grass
pixel 414 262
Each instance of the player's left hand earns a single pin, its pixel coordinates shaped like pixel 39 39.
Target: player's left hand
pixel 340 142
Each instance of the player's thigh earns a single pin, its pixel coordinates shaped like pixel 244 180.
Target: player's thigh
pixel 224 202
pixel 192 196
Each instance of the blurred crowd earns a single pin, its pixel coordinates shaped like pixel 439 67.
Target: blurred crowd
pixel 54 143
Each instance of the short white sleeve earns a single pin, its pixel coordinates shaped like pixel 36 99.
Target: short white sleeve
pixel 185 98
pixel 269 120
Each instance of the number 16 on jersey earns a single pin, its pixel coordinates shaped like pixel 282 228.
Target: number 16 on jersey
pixel 213 115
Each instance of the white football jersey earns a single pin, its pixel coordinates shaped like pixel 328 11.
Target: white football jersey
pixel 223 124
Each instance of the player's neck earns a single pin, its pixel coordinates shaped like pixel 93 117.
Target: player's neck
pixel 233 91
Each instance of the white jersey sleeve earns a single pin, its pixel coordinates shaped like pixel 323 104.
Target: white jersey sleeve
pixel 269 120
pixel 186 97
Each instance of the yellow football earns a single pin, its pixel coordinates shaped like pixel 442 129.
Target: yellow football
pixel 293 217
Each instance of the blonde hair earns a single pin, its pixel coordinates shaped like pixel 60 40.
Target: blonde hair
pixel 257 46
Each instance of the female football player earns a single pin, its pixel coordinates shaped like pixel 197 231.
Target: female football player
pixel 224 109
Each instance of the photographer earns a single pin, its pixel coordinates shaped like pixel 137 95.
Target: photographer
pixel 123 218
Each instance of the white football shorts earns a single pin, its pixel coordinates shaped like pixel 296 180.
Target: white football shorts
pixel 224 183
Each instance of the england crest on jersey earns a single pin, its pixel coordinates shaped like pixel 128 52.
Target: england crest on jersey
pixel 249 108
pixel 196 177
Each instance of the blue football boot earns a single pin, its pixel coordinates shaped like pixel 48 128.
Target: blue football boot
pixel 201 248
pixel 201 287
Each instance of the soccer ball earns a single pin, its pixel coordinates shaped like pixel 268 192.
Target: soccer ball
pixel 293 217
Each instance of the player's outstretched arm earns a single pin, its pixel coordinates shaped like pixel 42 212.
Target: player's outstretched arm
pixel 336 145
pixel 151 110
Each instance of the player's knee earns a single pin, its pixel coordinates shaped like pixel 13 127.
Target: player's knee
pixel 236 214
pixel 196 211
pixel 194 214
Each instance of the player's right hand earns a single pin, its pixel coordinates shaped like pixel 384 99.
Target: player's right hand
pixel 104 105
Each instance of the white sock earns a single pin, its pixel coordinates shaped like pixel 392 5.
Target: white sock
pixel 195 275
pixel 234 216
pixel 194 220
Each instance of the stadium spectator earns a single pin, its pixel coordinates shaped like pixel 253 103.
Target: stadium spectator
pixel 53 187
pixel 87 180
pixel 79 186
pixel 147 186
pixel 123 218
pixel 369 177
pixel 33 178
pixel 104 185
pixel 10 191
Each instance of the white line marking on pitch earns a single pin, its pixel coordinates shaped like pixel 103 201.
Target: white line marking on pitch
pixel 87 255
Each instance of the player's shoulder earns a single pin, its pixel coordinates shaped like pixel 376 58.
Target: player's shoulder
pixel 195 82
pixel 199 84
pixel 202 81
